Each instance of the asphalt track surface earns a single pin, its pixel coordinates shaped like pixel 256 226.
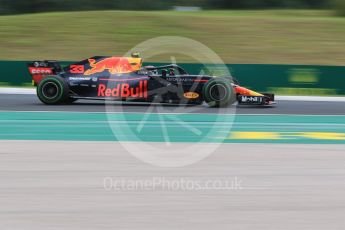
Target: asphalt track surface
pixel 12 102
pixel 60 185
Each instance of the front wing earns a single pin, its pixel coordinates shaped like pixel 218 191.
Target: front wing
pixel 249 97
pixel 255 100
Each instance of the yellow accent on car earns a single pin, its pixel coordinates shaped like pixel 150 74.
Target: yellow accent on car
pixel 191 95
pixel 256 94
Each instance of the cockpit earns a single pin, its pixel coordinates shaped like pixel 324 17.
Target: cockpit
pixel 165 70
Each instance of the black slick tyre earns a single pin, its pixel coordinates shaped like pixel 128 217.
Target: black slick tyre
pixel 53 90
pixel 218 92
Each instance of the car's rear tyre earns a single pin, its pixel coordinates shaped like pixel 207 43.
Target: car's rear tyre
pixel 53 90
pixel 218 92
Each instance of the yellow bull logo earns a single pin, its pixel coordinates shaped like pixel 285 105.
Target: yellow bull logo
pixel 114 65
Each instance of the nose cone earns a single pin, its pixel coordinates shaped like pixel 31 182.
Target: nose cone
pixel 247 92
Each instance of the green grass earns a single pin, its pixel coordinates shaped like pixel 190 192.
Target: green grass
pixel 271 36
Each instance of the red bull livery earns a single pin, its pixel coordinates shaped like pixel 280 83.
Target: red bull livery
pixel 125 79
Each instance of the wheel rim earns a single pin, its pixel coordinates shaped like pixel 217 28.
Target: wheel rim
pixel 50 90
pixel 218 92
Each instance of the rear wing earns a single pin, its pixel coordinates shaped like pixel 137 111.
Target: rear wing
pixel 40 69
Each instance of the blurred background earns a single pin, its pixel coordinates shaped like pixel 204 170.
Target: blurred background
pixel 251 31
pixel 23 6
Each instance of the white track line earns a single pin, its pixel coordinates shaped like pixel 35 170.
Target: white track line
pixel 6 90
pixel 310 98
pixel 278 98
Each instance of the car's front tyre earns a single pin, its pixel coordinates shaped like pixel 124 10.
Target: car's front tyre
pixel 218 92
pixel 53 90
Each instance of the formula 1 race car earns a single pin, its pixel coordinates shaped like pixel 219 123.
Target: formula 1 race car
pixel 125 79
